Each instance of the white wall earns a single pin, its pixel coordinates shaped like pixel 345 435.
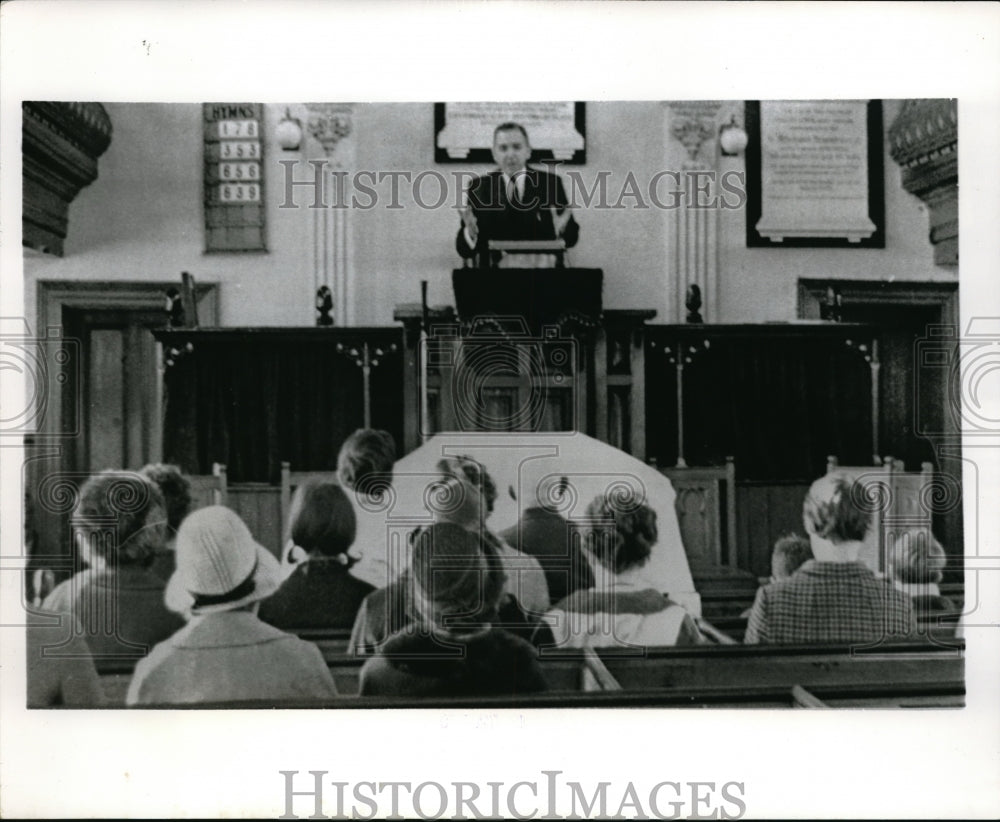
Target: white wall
pixel 142 220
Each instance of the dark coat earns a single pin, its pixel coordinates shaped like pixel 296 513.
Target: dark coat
pixel 318 594
pixel 388 610
pixel 499 219
pixel 417 663
pixel 545 535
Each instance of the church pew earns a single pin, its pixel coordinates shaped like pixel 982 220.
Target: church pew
pixel 912 667
pixel 331 641
pixel 565 672
pixel 904 675
pixel 886 695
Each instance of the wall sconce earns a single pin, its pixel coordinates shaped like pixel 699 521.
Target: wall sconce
pixel 289 132
pixel 732 138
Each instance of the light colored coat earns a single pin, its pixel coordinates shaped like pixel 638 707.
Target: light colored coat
pixel 624 611
pixel 230 656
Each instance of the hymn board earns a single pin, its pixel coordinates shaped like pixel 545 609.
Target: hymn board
pixel 234 180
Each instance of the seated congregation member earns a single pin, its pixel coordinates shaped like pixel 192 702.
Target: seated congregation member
pixel 364 468
pixel 834 597
pixel 543 533
pixel 915 563
pixel 60 670
pixel 461 503
pixel 623 608
pixel 320 593
pixel 477 495
pixel 176 492
pixel 225 653
pixel 453 649
pixel 388 610
pixel 119 526
pixel 790 553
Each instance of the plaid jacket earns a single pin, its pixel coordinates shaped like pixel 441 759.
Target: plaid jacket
pixel 829 602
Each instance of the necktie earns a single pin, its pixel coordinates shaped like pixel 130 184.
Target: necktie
pixel 512 191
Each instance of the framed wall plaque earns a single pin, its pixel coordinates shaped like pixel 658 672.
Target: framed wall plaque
pixel 233 178
pixel 815 174
pixel 463 132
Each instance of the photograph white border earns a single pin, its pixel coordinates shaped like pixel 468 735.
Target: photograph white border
pixel 834 764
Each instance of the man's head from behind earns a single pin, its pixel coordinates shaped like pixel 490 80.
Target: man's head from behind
pixel 790 552
pixel 511 149
pixel 836 510
pixel 365 461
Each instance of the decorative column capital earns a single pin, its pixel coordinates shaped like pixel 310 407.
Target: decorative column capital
pixel 330 123
pixel 692 124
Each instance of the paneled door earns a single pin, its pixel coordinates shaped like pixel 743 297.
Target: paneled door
pixel 120 390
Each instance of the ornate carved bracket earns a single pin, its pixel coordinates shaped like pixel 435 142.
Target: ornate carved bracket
pixel 329 123
pixel 692 133
pixel 923 140
pixel 60 146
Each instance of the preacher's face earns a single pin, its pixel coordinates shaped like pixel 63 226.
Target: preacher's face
pixel 511 151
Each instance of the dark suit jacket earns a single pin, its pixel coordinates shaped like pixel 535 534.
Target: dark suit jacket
pixel 545 535
pixel 530 219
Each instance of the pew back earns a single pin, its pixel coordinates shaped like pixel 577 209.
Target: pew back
pixel 913 674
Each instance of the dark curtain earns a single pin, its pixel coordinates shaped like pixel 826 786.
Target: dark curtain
pixel 253 403
pixel 778 404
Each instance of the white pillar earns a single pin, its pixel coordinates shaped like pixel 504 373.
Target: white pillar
pixel 332 126
pixel 692 129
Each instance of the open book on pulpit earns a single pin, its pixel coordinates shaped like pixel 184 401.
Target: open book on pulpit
pixel 528 253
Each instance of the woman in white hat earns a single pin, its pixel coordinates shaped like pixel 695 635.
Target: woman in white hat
pixel 225 653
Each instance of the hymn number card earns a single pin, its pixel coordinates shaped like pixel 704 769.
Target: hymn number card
pixel 234 180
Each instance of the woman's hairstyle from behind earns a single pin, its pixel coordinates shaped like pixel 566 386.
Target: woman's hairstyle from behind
pixel 835 509
pixel 915 557
pixel 621 538
pixel 122 516
pixel 322 519
pixel 457 584
pixel 476 474
pixel 175 488
pixel 365 461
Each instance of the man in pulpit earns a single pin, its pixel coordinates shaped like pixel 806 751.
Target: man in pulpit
pixel 514 202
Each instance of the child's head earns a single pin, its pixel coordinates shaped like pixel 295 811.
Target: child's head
pixel 915 557
pixel 322 519
pixel 790 551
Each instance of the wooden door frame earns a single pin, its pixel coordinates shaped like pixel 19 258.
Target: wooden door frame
pixel 55 295
pixel 46 449
pixel 944 295
pixel 812 293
